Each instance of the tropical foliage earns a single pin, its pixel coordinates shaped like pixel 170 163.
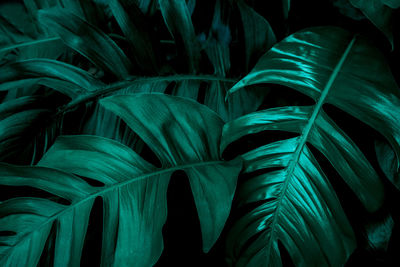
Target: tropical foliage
pixel 273 134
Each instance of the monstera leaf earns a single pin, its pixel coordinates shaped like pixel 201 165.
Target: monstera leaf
pixel 293 201
pixel 183 134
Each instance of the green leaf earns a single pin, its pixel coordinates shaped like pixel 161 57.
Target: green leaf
pixel 18 118
pixel 213 88
pixel 379 14
pixel 258 34
pixel 20 33
pixel 286 8
pixel 183 134
pixel 219 38
pixel 330 66
pixel 363 66
pixel 195 145
pixel 62 77
pixel 297 207
pixel 379 233
pixel 148 7
pixel 35 48
pixel 132 23
pixel 15 16
pixel 388 161
pixel 392 3
pixel 177 18
pixel 87 40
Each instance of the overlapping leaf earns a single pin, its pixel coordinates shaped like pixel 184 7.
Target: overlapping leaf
pixel 18 119
pixel 20 34
pixel 380 14
pixel 298 207
pixel 183 134
pixel 62 77
pixel 132 23
pixel 87 40
pixel 209 90
pixel 259 36
pixel 178 20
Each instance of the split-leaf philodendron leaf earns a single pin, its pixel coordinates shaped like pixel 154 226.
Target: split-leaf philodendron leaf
pixel 184 135
pixel 297 205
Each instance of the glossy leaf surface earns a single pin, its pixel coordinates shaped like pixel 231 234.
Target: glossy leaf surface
pixel 299 208
pixel 183 134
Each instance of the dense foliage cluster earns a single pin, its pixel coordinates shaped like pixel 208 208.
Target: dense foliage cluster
pixel 194 133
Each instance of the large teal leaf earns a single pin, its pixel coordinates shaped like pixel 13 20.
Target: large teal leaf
pixel 183 134
pixel 392 3
pixel 87 40
pixel 362 66
pixel 297 205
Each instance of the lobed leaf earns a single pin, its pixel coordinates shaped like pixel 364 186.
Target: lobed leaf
pixel 183 134
pixel 330 66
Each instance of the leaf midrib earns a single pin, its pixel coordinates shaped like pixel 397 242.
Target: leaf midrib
pixel 304 137
pixel 110 188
